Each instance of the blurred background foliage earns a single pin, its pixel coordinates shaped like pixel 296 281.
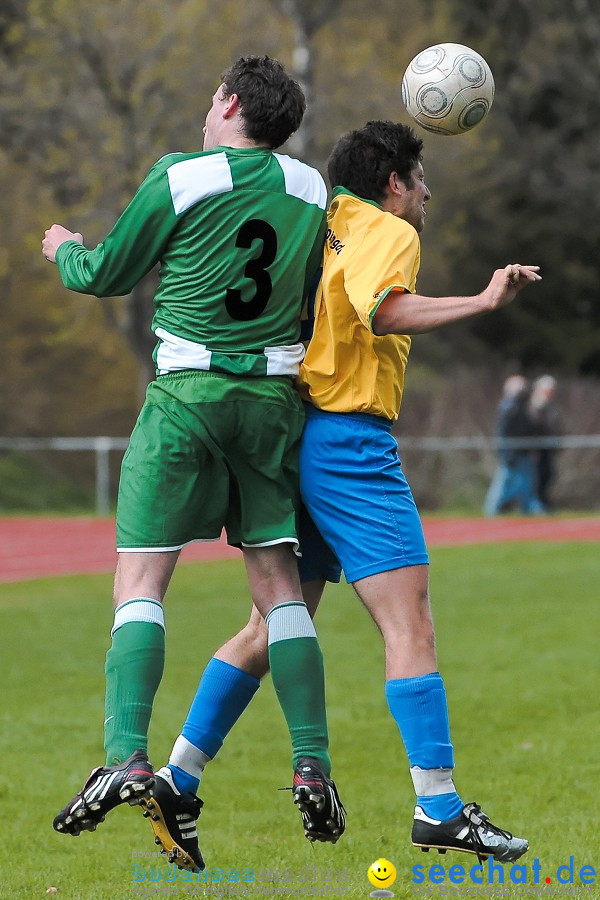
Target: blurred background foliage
pixel 93 94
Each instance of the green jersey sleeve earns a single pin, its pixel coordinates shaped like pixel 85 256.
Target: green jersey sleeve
pixel 315 259
pixel 131 249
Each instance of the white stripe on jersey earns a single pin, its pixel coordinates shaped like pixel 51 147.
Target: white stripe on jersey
pixel 284 360
pixel 302 181
pixel 191 180
pixel 177 353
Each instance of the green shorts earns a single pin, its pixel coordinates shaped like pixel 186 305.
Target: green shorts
pixel 212 451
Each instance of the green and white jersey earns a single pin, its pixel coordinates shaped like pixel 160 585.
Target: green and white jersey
pixel 239 236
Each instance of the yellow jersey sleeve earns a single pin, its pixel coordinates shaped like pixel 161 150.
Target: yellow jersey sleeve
pixel 386 259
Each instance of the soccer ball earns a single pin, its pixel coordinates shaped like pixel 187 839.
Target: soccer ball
pixel 448 88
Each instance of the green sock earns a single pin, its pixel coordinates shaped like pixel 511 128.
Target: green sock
pixel 298 677
pixel 134 668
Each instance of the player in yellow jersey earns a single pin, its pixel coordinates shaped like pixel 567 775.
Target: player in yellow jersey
pixel 366 308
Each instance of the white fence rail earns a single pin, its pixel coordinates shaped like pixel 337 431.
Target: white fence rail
pixel 100 446
pixel 103 446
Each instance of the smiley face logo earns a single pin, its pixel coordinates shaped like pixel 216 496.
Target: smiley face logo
pixel 381 873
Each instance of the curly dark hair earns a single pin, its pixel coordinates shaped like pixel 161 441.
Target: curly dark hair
pixel 271 102
pixel 362 160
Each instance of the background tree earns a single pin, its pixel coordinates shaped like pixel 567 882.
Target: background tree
pixel 92 96
pixel 306 18
pixel 529 184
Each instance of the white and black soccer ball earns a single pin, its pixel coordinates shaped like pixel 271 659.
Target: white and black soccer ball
pixel 448 88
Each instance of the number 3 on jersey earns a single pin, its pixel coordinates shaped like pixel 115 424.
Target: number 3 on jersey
pixel 256 270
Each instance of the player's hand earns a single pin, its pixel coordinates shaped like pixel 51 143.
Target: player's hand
pixel 54 237
pixel 507 282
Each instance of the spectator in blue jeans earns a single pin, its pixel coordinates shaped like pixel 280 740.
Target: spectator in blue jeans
pixel 514 481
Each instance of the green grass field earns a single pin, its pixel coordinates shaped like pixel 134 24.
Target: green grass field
pixel 518 628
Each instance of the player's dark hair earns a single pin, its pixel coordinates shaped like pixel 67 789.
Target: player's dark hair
pixel 362 160
pixel 271 102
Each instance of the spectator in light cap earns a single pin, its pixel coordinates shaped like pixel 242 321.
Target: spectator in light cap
pixel 546 419
pixel 514 479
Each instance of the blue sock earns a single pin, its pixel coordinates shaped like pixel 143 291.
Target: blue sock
pixel 184 782
pixel 418 706
pixel 441 806
pixel 223 694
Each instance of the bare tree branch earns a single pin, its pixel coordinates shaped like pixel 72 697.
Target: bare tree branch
pixel 589 28
pixel 116 97
pixel 308 17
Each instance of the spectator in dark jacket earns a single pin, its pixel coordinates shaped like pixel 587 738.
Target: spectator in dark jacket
pixel 514 479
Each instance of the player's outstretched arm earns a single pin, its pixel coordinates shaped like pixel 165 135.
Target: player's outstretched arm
pixel 404 313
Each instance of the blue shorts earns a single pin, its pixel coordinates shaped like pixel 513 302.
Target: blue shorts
pixel 355 491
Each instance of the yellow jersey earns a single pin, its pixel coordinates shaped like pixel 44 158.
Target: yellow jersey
pixel 368 253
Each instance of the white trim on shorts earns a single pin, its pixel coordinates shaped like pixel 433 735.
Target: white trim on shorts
pixel 285 540
pixel 167 549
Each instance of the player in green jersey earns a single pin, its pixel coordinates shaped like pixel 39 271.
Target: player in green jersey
pixel 238 232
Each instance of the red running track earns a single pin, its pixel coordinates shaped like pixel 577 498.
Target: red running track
pixel 44 547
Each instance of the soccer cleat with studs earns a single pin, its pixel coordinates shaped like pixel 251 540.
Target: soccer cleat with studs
pixel 173 816
pixel 316 796
pixel 470 832
pixel 106 787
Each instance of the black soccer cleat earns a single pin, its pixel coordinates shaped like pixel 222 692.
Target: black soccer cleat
pixel 106 787
pixel 316 796
pixel 173 818
pixel 471 832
